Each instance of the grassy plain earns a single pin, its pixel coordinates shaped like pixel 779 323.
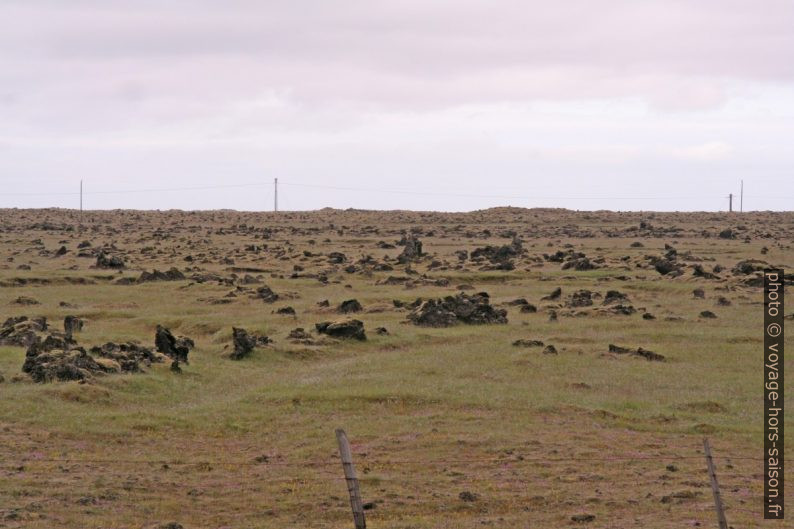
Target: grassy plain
pixel 431 412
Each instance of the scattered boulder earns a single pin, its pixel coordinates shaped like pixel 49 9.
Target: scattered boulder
pixel 699 271
pixel 24 300
pixel 172 274
pixel 352 329
pixel 613 296
pixel 381 331
pixel 21 331
pixel 103 260
pixel 581 298
pixel 171 346
pixel 528 343
pixel 243 343
pixel 749 266
pixel 289 311
pixel 266 294
pixel 500 256
pixel 550 350
pixel 699 293
pixel 708 314
pixel 412 249
pixel 643 353
pixel 72 324
pixel 128 356
pixel 63 365
pixel 468 496
pixel 554 296
pixel 462 308
pixel 349 306
pixel 336 258
pixel 299 335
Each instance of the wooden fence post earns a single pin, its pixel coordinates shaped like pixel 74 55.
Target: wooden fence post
pixel 350 479
pixel 715 487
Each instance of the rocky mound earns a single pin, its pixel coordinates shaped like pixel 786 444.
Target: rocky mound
pixel 462 308
pixel 245 342
pixel 103 260
pixel 21 331
pixel 176 348
pixel 353 329
pixel 172 274
pixel 412 249
pixel 640 352
pixel 129 356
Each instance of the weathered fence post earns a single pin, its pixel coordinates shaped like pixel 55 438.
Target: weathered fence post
pixel 715 487
pixel 350 479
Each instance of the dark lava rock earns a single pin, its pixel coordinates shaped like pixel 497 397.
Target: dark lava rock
pixel 699 271
pixel 722 301
pixel 172 347
pixel 665 266
pixel 343 329
pixel 518 301
pixel 243 343
pixel 500 255
pixel 58 359
pixel 129 356
pixel 412 250
pixel 749 266
pixel 349 306
pixel 622 309
pixel 24 300
pixel 72 324
pixel 581 298
pixel 554 296
pixel 528 343
pixel 644 353
pixel 529 308
pixel 21 331
pixel 583 518
pixel 550 350
pixel 266 294
pixel 648 316
pixel 104 260
pixel 613 296
pixel 727 234
pixel 336 258
pixel 382 331
pixel 299 334
pixel 468 496
pixel 580 264
pixel 699 293
pixel 61 251
pixel 289 311
pixel 462 308
pixel 708 314
pixel 172 274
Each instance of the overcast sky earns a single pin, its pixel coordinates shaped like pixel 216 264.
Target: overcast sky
pixel 445 105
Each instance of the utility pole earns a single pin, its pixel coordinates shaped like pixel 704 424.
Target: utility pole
pixel 730 203
pixel 81 202
pixel 275 194
pixel 741 198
